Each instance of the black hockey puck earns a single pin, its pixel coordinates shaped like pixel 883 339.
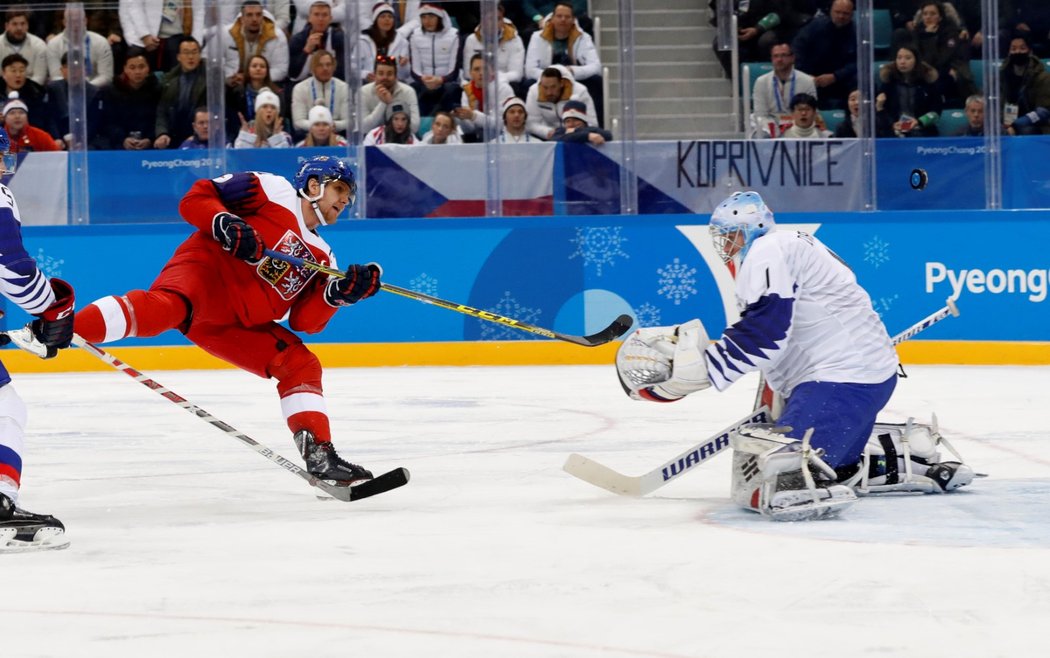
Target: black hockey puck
pixel 918 179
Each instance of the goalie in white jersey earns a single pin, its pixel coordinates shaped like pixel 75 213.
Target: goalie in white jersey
pixel 810 328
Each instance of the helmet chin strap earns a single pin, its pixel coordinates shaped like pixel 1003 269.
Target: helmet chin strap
pixel 313 202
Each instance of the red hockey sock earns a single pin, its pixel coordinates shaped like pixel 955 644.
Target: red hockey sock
pixel 138 313
pixel 298 375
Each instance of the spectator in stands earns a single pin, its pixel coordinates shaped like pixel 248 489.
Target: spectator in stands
pixel 538 11
pixel 511 52
pixel 267 130
pixel 317 34
pixel 339 9
pixel 470 115
pixel 514 119
pixel 199 138
pixel 24 137
pixel 851 127
pixel 98 56
pixel 1025 90
pixel 33 95
pixel 443 130
pixel 18 39
pixel 160 25
pixel 563 42
pixel 761 24
pixel 826 48
pixel 377 96
pixel 546 98
pixel 322 129
pixel 323 89
pixel 128 108
pixel 396 129
pixel 382 38
pixel 576 127
pixel 182 91
pixel 974 117
pixel 773 91
pixel 240 100
pixel 253 33
pixel 434 54
pixel 280 10
pixel 58 93
pixel 940 45
pixel 804 119
pixel 1029 19
pixel 908 103
pixel 107 23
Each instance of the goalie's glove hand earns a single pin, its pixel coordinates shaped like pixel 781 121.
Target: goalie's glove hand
pixel 663 364
pixel 238 237
pixel 361 282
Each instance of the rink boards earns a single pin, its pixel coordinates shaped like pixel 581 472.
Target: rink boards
pixel 575 274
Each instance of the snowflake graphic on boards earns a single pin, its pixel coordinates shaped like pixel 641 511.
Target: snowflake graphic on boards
pixel 509 307
pixel 599 246
pixel 648 315
pixel 425 284
pixel 48 265
pixel 882 305
pixel 677 281
pixel 876 252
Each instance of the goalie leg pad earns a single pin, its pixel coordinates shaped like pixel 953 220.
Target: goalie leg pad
pixel 664 364
pixel 782 478
pixel 905 458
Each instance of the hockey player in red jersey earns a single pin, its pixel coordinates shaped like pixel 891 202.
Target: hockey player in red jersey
pixel 226 296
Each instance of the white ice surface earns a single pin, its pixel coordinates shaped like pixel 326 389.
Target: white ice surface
pixel 185 543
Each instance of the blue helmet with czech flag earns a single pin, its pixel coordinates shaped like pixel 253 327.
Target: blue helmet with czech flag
pixel 735 225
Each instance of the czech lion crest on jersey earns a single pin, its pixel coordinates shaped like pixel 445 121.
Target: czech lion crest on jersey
pixel 287 279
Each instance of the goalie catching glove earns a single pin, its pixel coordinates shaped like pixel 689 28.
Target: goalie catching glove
pixel 664 364
pixel 237 237
pixel 360 282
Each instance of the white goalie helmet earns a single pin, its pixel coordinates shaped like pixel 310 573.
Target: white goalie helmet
pixel 737 222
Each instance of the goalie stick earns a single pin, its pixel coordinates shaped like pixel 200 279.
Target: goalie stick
pixel 381 483
pixel 602 476
pixel 619 326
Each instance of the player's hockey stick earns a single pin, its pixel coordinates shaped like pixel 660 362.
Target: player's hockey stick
pixel 619 326
pixel 602 476
pixel 389 480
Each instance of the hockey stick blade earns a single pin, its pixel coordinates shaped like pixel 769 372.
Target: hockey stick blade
pixel 602 476
pixel 398 477
pixel 619 326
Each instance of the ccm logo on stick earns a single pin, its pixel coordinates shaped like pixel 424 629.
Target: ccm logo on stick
pixel 995 281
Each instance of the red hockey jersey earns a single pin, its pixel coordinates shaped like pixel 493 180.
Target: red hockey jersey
pixel 261 293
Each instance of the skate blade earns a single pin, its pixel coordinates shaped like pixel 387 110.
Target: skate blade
pixel 45 539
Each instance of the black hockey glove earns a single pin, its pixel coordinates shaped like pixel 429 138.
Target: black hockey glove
pixel 361 282
pixel 238 237
pixel 54 327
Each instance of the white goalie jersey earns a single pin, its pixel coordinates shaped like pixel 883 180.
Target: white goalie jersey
pixel 804 318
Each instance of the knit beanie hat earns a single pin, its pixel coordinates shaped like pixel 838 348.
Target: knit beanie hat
pixel 575 110
pixel 267 97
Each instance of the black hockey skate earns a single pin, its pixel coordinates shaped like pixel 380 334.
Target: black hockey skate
pixel 24 531
pixel 324 463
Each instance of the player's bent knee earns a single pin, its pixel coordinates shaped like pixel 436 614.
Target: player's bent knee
pixel 296 367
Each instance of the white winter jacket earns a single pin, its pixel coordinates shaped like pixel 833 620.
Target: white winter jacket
pixel 434 53
pixel 140 18
pixel 585 61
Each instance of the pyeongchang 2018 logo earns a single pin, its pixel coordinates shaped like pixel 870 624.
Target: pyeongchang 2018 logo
pixel 1031 283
